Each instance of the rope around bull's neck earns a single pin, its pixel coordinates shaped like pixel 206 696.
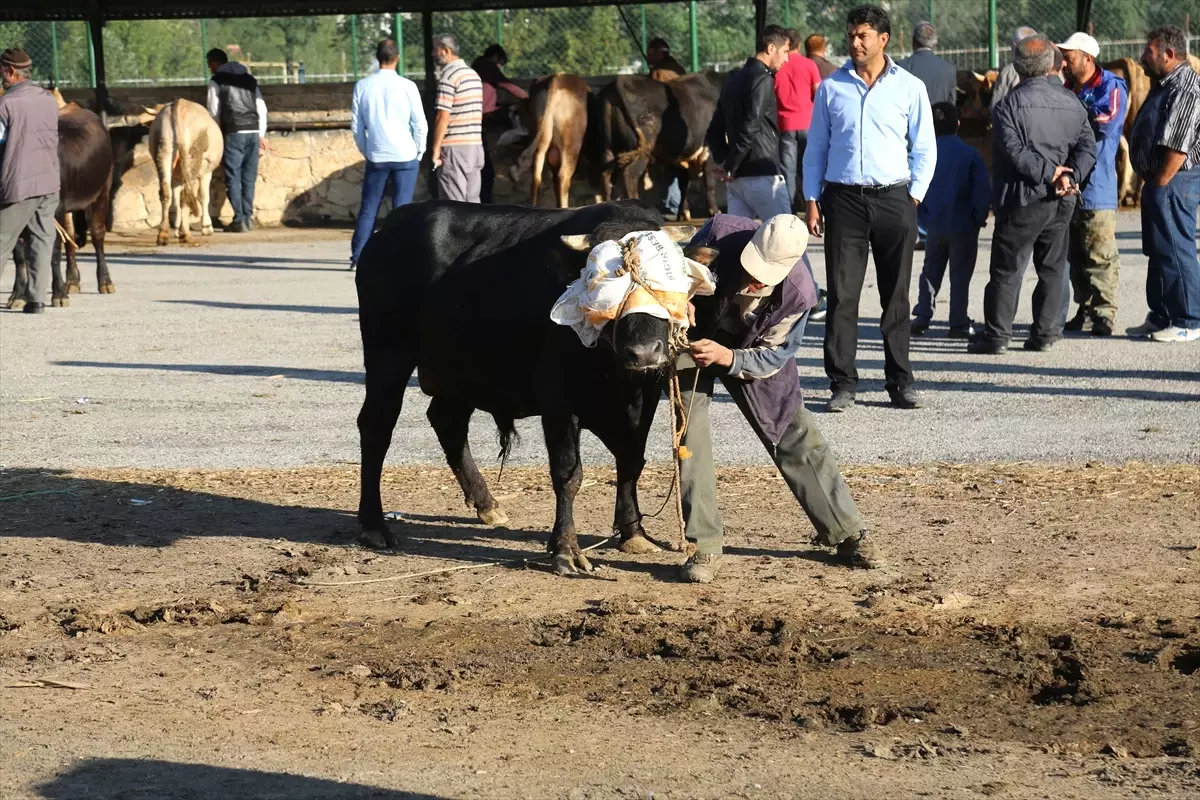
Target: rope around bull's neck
pixel 631 265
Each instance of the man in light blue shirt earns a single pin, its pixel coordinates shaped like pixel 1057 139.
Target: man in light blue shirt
pixel 390 130
pixel 870 158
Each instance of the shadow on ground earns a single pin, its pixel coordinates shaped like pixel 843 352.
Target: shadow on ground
pixel 112 778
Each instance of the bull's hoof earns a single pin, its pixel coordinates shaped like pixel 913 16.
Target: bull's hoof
pixel 567 564
pixel 379 539
pixel 108 288
pixel 60 301
pixel 73 287
pixel 16 303
pixel 638 545
pixel 206 231
pixel 495 517
pixel 163 239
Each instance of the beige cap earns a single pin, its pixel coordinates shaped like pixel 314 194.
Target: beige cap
pixel 776 247
pixel 1082 42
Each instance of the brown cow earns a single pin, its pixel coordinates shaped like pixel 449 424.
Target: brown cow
pixel 85 160
pixel 186 145
pixel 559 104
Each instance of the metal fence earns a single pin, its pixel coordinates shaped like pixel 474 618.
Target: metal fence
pixel 587 40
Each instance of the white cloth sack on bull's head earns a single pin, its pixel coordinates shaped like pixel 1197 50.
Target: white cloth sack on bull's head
pixel 601 291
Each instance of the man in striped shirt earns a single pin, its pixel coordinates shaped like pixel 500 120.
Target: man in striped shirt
pixel 457 148
pixel 1165 153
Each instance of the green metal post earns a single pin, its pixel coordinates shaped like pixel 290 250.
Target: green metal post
pixel 54 50
pixel 931 10
pixel 499 27
pixel 695 39
pixel 398 37
pixel 993 56
pixel 354 44
pixel 92 55
pixel 645 41
pixel 204 45
pixel 787 13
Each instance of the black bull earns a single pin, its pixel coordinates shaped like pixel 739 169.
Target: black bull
pixel 462 294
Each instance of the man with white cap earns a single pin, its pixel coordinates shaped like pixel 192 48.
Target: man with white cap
pixel 747 335
pixel 1093 254
pixel 1008 78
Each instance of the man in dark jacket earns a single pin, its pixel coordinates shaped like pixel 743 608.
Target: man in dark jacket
pixel 747 336
pixel 744 135
pixel 1044 149
pixel 938 75
pixel 236 103
pixel 29 171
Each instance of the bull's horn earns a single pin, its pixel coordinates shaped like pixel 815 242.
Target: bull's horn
pixel 680 233
pixel 581 242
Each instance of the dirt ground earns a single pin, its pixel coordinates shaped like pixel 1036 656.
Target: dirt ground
pixel 1036 633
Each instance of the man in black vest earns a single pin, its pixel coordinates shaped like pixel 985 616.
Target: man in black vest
pixel 236 103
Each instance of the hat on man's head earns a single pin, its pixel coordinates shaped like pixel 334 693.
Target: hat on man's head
pixel 16 58
pixel 776 247
pixel 1083 43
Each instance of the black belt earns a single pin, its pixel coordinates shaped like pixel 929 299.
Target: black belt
pixel 869 191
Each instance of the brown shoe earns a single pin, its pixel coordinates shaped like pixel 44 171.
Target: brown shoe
pixel 860 552
pixel 700 568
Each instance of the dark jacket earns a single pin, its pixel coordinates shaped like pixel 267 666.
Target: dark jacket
pixel 1038 126
pixel 824 66
pixel 959 194
pixel 744 134
pixel 29 157
pixel 774 399
pixel 237 90
pixel 938 75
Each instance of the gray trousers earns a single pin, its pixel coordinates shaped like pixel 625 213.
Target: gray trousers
pixel 36 214
pixel 460 177
pixel 803 458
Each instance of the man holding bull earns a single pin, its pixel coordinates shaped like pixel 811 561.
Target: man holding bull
pixel 29 170
pixel 749 333
pixel 1093 255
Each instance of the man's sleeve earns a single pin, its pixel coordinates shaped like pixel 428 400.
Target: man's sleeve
pixel 715 137
pixel 418 125
pixel 816 152
pixel 260 105
pixel 358 125
pixel 1110 110
pixel 445 95
pixel 214 100
pixel 1030 165
pixel 1005 82
pixel 922 154
pixel 1180 121
pixel 1082 156
pixel 780 343
pixel 741 141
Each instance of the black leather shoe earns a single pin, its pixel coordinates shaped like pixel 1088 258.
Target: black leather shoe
pixel 1102 327
pixel 968 331
pixel 1037 345
pixel 904 397
pixel 842 399
pixel 984 346
pixel 34 308
pixel 1077 322
pixel 918 326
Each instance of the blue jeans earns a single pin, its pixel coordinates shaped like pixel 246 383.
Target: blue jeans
pixel 241 171
pixel 674 199
pixel 960 251
pixel 1169 239
pixel 403 175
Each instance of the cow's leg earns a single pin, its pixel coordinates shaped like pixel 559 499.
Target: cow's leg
pixel 535 174
pixel 181 214
pixel 566 475
pixel 73 281
pixel 710 189
pixel 97 225
pixel 16 300
pixel 450 422
pixel 684 176
pixel 606 176
pixel 206 223
pixel 566 171
pixel 633 173
pixel 388 371
pixel 60 292
pixel 165 196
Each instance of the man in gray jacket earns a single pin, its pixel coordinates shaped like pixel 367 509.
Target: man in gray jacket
pixel 1044 148
pixel 29 172
pixel 938 75
pixel 1008 79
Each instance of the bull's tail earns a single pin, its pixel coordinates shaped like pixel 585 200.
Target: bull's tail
pixel 190 152
pixel 506 430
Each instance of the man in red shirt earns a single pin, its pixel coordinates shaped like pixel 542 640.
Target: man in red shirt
pixel 795 87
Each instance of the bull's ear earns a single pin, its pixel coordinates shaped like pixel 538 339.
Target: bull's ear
pixel 581 242
pixel 705 255
pixel 680 233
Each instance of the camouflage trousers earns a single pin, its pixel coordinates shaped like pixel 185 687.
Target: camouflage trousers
pixel 1095 262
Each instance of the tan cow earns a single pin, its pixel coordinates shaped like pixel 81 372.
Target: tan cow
pixel 186 145
pixel 559 106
